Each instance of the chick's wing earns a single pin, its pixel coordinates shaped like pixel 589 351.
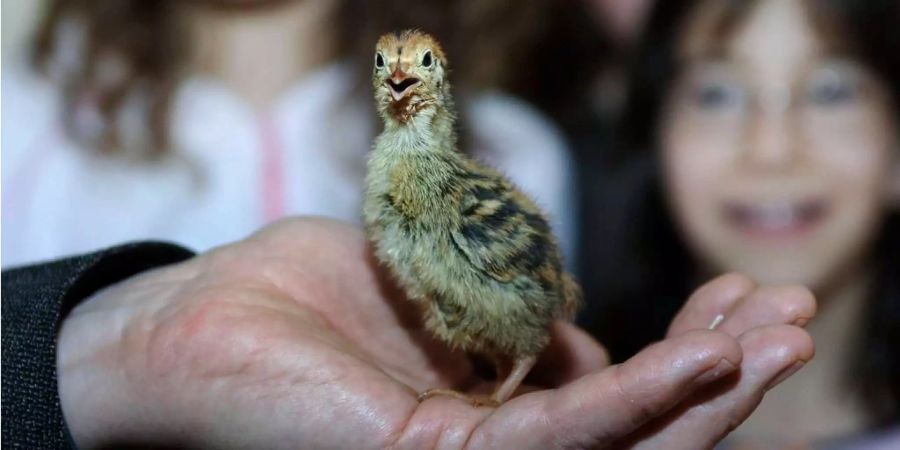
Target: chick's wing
pixel 501 233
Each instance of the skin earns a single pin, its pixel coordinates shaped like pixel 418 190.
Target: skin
pixel 258 48
pixel 264 344
pixel 842 154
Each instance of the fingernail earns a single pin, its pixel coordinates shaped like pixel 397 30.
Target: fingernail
pixel 721 369
pixel 784 374
pixel 800 321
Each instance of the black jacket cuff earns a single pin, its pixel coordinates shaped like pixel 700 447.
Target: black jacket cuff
pixel 35 300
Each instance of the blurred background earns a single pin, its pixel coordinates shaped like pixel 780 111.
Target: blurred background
pixel 19 19
pixel 128 99
pixel 669 142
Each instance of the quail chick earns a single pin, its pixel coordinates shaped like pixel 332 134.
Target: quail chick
pixel 475 253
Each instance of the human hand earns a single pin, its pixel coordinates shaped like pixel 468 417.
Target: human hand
pixel 290 339
pixel 766 321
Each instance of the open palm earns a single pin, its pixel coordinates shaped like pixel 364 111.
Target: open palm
pixel 294 339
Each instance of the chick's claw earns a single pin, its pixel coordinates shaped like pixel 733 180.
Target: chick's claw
pixel 474 400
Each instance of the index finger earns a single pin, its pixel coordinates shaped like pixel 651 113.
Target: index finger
pixel 712 299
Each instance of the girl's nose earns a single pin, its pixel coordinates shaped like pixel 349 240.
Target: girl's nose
pixel 771 140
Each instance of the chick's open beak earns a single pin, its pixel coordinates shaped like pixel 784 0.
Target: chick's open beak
pixel 401 84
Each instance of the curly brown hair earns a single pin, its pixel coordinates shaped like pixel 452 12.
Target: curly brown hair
pixel 123 47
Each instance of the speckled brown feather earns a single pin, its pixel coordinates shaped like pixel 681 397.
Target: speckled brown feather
pixel 471 249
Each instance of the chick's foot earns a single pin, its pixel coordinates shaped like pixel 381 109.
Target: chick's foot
pixel 474 400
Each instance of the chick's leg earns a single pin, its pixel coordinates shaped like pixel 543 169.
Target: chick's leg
pixel 520 368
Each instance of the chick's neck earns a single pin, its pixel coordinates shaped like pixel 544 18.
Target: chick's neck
pixel 428 129
pixel 414 161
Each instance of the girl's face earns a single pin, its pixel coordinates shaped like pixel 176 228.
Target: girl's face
pixel 778 149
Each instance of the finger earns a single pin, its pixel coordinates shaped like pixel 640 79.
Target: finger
pixel 792 305
pixel 771 354
pixel 712 299
pixel 572 354
pixel 610 404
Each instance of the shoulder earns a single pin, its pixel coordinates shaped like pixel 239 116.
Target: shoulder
pixel 23 86
pixel 31 105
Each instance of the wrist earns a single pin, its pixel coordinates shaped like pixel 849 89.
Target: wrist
pixel 96 350
pixel 103 347
pixel 84 384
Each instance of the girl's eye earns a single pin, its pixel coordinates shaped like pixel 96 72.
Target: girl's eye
pixel 379 61
pixel 718 95
pixel 831 88
pixel 426 60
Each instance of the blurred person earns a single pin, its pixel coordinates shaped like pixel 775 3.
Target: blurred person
pixel 763 136
pixel 624 19
pixel 200 121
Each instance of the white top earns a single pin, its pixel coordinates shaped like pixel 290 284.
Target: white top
pixel 233 170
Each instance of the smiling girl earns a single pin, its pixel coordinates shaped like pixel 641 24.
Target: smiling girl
pixel 763 137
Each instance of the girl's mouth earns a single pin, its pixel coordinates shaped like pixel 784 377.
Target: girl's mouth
pixel 775 219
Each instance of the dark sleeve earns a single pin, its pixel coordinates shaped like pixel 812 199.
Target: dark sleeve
pixel 35 299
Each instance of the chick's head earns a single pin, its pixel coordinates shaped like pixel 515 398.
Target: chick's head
pixel 409 76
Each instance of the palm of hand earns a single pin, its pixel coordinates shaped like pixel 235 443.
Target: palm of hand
pixel 292 339
pixel 344 350
pixel 303 328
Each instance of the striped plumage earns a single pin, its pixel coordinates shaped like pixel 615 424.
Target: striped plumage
pixel 472 250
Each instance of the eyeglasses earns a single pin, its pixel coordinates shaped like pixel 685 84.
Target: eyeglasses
pixel 720 97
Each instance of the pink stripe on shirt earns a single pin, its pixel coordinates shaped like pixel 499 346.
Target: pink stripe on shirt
pixel 272 173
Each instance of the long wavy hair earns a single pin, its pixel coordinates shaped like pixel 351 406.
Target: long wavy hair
pixel 641 269
pixel 105 53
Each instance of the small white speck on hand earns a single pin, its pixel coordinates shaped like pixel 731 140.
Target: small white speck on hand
pixel 718 320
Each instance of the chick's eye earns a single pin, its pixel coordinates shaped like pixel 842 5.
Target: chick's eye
pixel 426 60
pixel 379 61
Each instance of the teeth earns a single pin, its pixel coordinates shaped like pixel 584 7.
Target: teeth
pixel 777 215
